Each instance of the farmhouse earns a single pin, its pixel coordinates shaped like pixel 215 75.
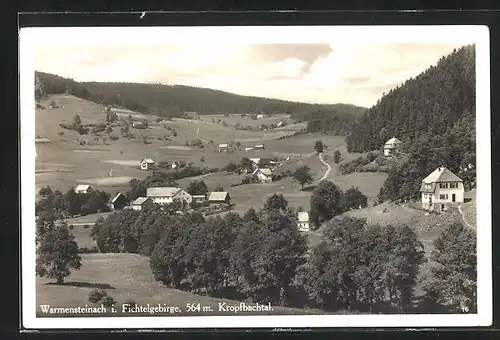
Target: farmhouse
pixel 84 189
pixel 255 162
pixel 441 190
pixel 303 221
pixel 119 202
pixel 165 195
pixel 223 147
pixel 392 147
pixel 219 197
pixel 263 175
pixel 199 198
pixel 192 115
pixel 259 147
pixel 147 163
pixel 142 203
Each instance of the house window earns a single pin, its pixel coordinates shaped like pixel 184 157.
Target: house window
pixel 443 185
pixel 453 185
pixel 443 196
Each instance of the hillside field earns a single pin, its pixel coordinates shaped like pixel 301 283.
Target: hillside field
pixel 63 163
pixel 128 277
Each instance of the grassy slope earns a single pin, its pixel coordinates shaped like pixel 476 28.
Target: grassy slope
pixel 124 277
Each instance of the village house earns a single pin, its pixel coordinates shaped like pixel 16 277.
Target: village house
pixel 199 198
pixel 392 147
pixel 259 147
pixel 219 198
pixel 166 195
pixel 192 115
pixel 260 116
pixel 223 147
pixel 142 203
pixel 263 175
pixel 255 162
pixel 119 202
pixel 147 164
pixel 303 221
pixel 441 190
pixel 280 124
pixel 84 189
pixel 248 149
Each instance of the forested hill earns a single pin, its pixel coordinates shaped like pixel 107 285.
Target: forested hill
pixel 425 106
pixel 173 100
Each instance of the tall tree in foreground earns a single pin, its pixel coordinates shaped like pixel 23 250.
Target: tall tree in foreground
pixel 303 175
pixel 57 252
pixel 453 280
pixel 325 202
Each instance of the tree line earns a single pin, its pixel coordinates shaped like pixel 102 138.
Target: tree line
pixel 173 100
pixel 262 257
pixel 71 203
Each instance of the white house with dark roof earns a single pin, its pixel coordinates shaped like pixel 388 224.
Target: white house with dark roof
pixel 303 221
pixel 441 190
pixel 263 175
pixel 219 197
pixel 166 195
pixel 223 147
pixel 147 163
pixel 141 203
pixel 84 189
pixel 392 147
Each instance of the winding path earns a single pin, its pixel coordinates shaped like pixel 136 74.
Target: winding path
pixel 327 172
pixel 463 217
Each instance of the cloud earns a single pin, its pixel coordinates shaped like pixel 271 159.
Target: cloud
pixel 349 72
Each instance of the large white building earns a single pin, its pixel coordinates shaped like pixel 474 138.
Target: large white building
pixel 441 190
pixel 166 195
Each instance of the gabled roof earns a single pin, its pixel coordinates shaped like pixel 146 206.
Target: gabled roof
pixel 82 187
pixel 117 196
pixel 198 196
pixel 266 172
pixel 218 196
pixel 139 201
pixel 393 141
pixel 148 160
pixel 442 174
pixel 430 188
pixel 162 191
pixel 303 216
pixel 255 160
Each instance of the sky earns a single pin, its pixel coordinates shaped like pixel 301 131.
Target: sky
pixel 353 71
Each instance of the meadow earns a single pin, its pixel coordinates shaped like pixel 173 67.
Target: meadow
pixel 128 277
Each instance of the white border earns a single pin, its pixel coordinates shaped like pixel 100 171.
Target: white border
pixel 31 37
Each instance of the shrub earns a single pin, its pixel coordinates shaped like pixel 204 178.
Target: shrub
pixel 130 302
pixel 96 295
pixel 71 226
pixel 246 180
pixel 87 250
pixel 116 138
pixel 86 226
pixel 61 133
pixel 108 301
